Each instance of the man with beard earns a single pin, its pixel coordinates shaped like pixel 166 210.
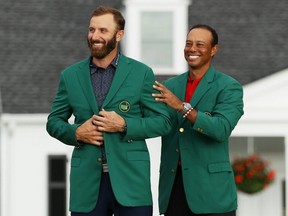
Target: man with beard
pixel 196 176
pixel 109 95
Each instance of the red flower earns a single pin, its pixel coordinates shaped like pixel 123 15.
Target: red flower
pixel 240 167
pixel 271 175
pixel 252 174
pixel 238 179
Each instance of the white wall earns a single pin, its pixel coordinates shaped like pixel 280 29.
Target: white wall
pixel 265 114
pixel 25 147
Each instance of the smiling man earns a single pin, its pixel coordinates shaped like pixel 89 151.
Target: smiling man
pixel 196 176
pixel 110 96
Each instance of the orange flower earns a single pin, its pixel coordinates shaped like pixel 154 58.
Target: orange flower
pixel 240 167
pixel 271 175
pixel 250 174
pixel 238 179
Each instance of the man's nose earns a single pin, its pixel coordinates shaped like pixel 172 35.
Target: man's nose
pixel 95 35
pixel 192 47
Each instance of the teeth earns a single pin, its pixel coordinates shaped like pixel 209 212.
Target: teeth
pixel 193 57
pixel 97 44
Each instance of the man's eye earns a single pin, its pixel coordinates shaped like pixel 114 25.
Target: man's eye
pixel 200 45
pixel 103 30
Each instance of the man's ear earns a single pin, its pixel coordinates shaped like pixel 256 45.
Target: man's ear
pixel 119 35
pixel 214 50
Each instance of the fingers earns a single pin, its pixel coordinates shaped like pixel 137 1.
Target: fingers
pixel 96 137
pixel 96 142
pixel 99 117
pixel 103 113
pixel 158 86
pixel 99 141
pixel 159 97
pixel 99 120
pixel 162 89
pixel 100 128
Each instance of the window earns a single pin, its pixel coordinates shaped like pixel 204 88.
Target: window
pixel 57 185
pixel 156 39
pixel 256 145
pixel 155 34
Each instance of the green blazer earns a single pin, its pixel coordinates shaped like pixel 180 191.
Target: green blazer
pixel 127 156
pixel 207 174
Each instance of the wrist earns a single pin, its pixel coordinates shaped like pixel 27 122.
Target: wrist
pixel 186 107
pixel 124 128
pixel 187 113
pixel 180 107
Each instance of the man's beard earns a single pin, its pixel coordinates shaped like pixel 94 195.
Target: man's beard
pixel 100 53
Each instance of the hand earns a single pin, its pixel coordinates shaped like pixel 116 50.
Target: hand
pixel 166 96
pixel 109 121
pixel 89 133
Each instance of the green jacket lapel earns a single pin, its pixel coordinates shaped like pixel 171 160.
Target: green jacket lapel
pixel 203 86
pixel 85 82
pixel 123 68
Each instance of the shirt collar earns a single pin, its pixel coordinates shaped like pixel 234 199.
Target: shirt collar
pixel 195 80
pixel 114 63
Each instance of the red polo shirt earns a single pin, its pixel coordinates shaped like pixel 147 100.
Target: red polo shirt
pixel 190 88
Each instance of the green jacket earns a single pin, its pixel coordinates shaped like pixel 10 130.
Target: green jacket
pixel 207 174
pixel 128 156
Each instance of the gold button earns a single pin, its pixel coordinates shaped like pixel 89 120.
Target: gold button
pixel 99 159
pixel 173 170
pixel 181 130
pixel 177 150
pixel 200 130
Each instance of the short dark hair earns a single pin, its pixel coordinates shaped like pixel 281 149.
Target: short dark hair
pixel 118 18
pixel 209 28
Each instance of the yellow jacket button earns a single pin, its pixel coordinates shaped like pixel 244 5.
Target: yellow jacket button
pixel 200 130
pixel 181 130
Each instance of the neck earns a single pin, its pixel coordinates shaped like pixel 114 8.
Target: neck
pixel 197 73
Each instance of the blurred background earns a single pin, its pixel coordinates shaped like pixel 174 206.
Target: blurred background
pixel 40 38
